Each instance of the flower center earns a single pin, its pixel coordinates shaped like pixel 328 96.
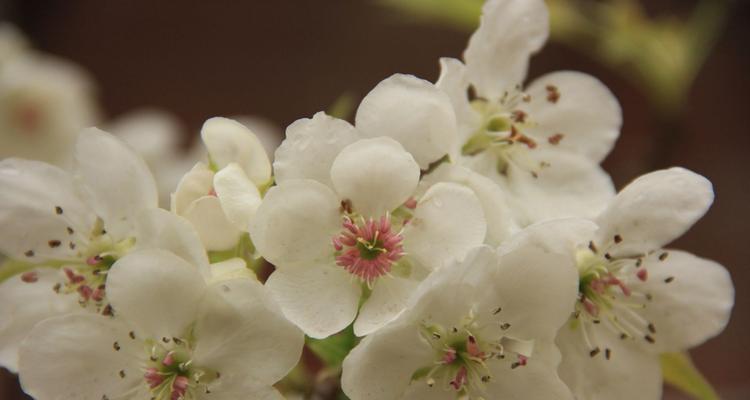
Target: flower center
pixel 606 296
pixel 86 270
pixel 501 132
pixel 170 372
pixel 368 248
pixel 462 357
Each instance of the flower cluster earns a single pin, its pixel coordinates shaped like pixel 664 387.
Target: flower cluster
pixel 464 230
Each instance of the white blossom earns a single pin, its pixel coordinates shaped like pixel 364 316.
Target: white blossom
pixel 480 329
pixel 174 336
pixel 70 227
pixel 156 136
pixel 44 102
pixel 541 143
pixel 636 299
pixel 221 198
pixel 345 214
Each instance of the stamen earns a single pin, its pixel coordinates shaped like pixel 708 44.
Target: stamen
pixel 368 249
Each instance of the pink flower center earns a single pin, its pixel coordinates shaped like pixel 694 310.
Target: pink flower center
pixel 368 249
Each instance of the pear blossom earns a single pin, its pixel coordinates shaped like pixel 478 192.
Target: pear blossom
pixel 44 103
pixel 268 132
pixel 501 222
pixel 176 336
pixel 12 43
pixel 69 228
pixel 480 329
pixel 542 143
pixel 637 300
pixel 156 136
pixel 344 219
pixel 220 199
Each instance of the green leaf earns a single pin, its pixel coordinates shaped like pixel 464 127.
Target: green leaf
pixel 463 14
pixel 680 372
pixel 333 349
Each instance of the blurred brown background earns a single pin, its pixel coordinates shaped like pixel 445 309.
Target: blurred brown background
pixel 288 59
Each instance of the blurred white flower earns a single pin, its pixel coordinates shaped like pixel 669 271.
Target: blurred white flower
pixel 220 199
pixel 344 214
pixel 12 43
pixel 174 337
pixel 44 102
pixel 636 299
pixel 156 136
pixel 542 144
pixel 480 329
pixel 269 134
pixel 74 226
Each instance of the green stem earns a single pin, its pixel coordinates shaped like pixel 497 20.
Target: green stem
pixel 11 268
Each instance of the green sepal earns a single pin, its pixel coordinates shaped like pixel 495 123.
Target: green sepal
pixel 679 372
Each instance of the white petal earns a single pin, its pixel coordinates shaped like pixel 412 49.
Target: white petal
pixel 241 332
pixel 119 180
pixel 197 183
pixel 320 299
pixel 447 222
pixel 498 53
pixel 296 222
pixel 238 388
pixel 160 229
pixel 213 227
pixel 629 373
pixel 655 209
pixel 153 134
pixel 561 236
pixel 537 380
pixel 388 299
pixel 268 132
pixel 587 114
pixel 239 198
pixel 229 141
pixel 500 222
pixel 455 84
pixel 310 147
pixel 381 366
pixel 73 357
pixel 571 186
pixel 156 291
pixel 377 175
pixel 23 305
pixel 31 192
pixel 412 111
pixel 693 307
pixel 537 283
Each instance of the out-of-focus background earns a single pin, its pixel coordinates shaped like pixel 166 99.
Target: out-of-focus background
pixel 288 59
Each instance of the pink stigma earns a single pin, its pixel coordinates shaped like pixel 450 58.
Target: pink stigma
pixel 473 348
pixel 449 356
pixel 94 260
pixel 369 249
pixel 179 387
pixel 153 378
pixel 642 274
pixel 168 359
pixel 460 380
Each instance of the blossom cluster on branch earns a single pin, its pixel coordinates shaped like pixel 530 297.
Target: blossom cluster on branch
pixel 463 229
